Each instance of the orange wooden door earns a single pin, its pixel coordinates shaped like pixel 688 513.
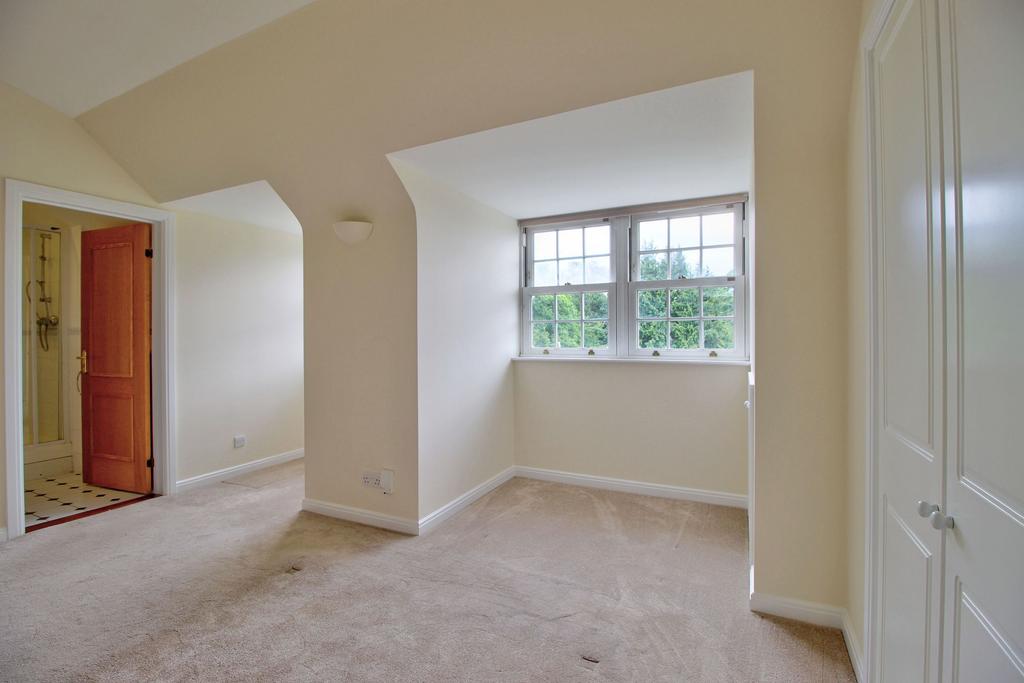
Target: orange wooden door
pixel 116 337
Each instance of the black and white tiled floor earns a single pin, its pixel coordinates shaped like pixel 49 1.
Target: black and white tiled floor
pixel 65 495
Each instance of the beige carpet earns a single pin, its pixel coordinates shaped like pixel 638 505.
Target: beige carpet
pixel 535 582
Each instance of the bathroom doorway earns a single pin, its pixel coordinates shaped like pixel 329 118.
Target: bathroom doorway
pixel 86 351
pixel 88 328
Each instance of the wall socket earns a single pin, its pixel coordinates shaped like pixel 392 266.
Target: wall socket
pixel 239 440
pixel 379 479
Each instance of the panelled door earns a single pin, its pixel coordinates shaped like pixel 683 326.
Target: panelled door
pixel 116 336
pixel 948 86
pixel 909 322
pixel 983 86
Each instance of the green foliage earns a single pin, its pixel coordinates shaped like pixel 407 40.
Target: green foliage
pixel 653 267
pixel 681 268
pixel 685 303
pixel 685 334
pixel 718 301
pixel 558 320
pixel 653 334
pixel 543 335
pixel 595 305
pixel 544 307
pixel 568 307
pixel 569 335
pixel 595 335
pixel 718 334
pixel 651 303
pixel 577 321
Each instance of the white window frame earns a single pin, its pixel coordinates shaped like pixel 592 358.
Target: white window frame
pixel 623 318
pixel 737 281
pixel 529 291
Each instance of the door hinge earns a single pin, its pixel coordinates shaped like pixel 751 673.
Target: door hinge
pixel 149 463
pixel 149 253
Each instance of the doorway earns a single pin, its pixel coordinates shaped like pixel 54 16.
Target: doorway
pixel 87 430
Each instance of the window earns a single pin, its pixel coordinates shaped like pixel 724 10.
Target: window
pixel 666 283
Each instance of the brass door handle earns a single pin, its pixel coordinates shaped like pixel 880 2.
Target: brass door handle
pixel 84 359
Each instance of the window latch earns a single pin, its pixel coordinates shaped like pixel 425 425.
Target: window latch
pixel 591 352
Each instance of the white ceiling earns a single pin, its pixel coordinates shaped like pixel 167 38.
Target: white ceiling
pixel 254 203
pixel 76 54
pixel 694 140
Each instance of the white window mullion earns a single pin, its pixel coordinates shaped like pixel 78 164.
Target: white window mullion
pixel 624 271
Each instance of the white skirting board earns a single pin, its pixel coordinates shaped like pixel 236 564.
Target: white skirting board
pixel 813 613
pixel 237 470
pixel 456 506
pixel 735 500
pixel 445 512
pixel 367 517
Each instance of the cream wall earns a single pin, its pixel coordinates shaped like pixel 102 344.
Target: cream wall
pixel 40 145
pixel 314 102
pixel 681 425
pixel 239 319
pixel 467 272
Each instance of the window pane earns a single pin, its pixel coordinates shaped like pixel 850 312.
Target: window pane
pixel 569 307
pixel 685 264
pixel 569 335
pixel 685 334
pixel 570 272
pixel 718 334
pixel 595 305
pixel 719 301
pixel 685 303
pixel 652 235
pixel 543 307
pixel 595 335
pixel 597 269
pixel 651 303
pixel 719 262
pixel 684 232
pixel 718 228
pixel 545 274
pixel 653 267
pixel 652 334
pixel 544 246
pixel 570 243
pixel 598 239
pixel 543 335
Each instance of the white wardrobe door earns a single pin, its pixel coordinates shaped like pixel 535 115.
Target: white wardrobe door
pixel 983 82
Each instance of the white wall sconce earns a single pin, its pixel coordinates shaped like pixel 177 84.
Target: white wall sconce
pixel 353 232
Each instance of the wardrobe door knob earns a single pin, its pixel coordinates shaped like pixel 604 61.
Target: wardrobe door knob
pixel 925 509
pixel 940 521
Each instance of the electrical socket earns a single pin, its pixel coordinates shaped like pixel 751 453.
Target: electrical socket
pixel 379 479
pixel 240 441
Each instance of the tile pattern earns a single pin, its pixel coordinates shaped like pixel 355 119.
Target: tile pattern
pixel 64 495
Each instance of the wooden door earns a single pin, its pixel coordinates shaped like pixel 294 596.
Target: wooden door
pixel 909 391
pixel 982 84
pixel 116 335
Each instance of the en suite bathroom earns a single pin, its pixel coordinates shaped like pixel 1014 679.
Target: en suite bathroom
pixel 52 361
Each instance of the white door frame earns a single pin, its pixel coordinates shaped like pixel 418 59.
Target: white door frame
pixel 869 41
pixel 18 192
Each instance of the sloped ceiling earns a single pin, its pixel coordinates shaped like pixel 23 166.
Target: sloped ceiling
pixel 255 203
pixel 75 54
